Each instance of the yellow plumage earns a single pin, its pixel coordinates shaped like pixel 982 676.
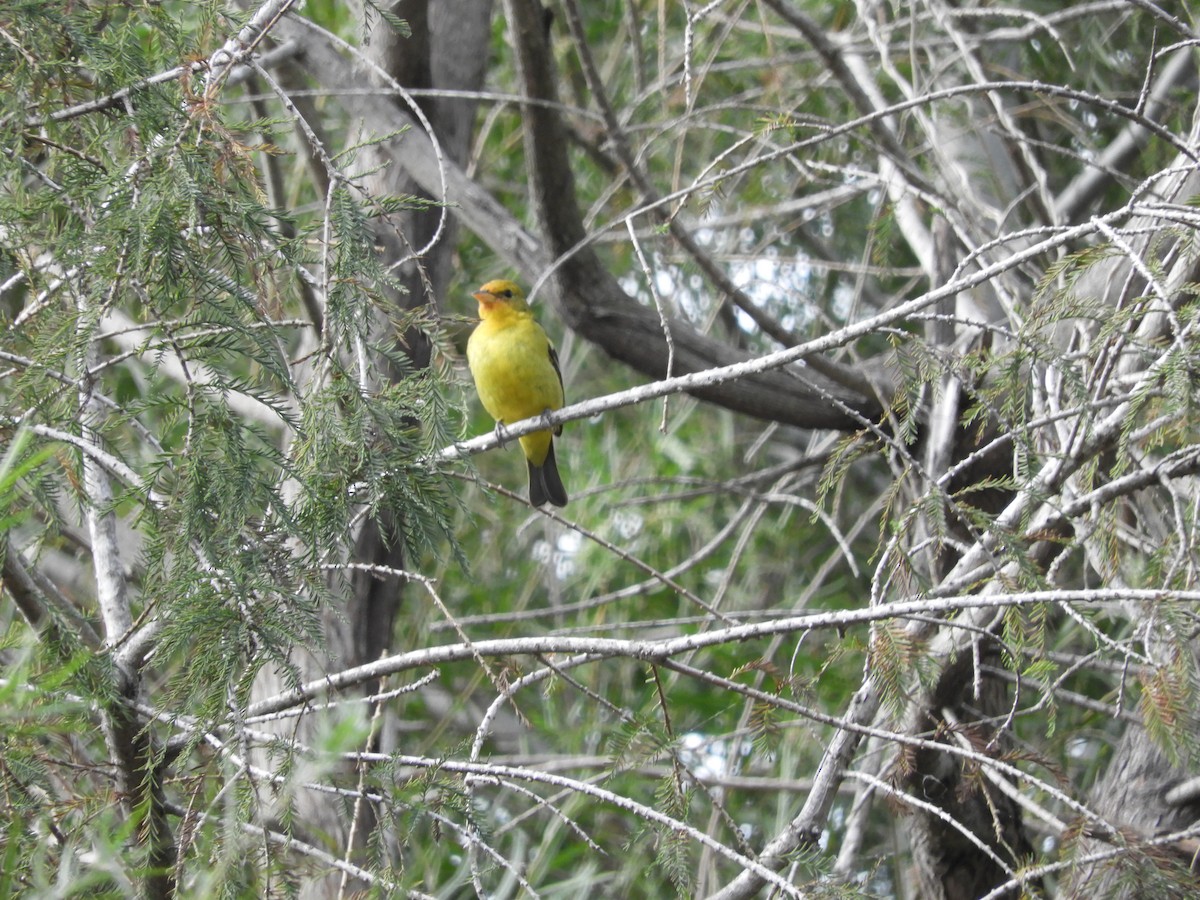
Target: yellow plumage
pixel 517 376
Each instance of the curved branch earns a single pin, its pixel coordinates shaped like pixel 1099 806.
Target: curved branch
pixel 593 303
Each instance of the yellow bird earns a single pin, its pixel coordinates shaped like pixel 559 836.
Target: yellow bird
pixel 517 376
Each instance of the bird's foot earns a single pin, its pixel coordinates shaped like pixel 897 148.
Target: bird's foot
pixel 501 434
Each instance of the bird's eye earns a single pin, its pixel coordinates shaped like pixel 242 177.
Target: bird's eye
pixel 508 294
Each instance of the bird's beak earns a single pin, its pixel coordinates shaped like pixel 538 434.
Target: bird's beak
pixel 484 297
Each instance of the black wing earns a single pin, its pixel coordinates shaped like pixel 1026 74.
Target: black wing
pixel 558 372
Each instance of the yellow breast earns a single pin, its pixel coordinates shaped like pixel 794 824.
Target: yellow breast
pixel 514 374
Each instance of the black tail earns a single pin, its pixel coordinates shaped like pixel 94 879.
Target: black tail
pixel 545 485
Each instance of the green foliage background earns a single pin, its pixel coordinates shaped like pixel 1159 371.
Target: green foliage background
pixel 140 237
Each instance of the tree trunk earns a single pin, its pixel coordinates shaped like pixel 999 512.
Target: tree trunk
pixel 447 49
pixel 1141 795
pixel 949 861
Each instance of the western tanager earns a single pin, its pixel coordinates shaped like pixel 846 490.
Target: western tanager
pixel 517 376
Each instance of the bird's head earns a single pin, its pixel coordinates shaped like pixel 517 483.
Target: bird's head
pixel 500 291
